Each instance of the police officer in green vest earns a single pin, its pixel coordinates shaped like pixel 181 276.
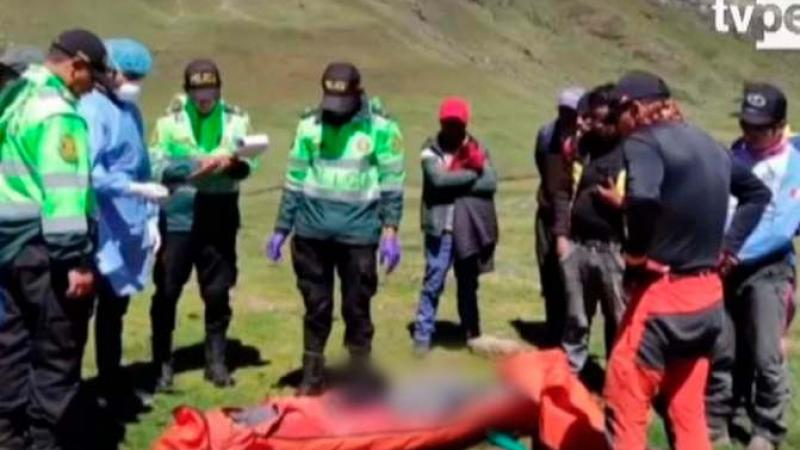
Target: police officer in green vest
pixel 46 279
pixel 193 153
pixel 343 200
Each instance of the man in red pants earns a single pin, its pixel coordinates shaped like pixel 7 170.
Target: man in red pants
pixel 678 183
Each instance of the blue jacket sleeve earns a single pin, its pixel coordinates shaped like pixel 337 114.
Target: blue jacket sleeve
pixel 753 197
pixel 106 179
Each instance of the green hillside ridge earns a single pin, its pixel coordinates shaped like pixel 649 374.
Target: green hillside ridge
pixel 509 57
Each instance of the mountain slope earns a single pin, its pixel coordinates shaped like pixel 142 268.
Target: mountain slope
pixel 509 56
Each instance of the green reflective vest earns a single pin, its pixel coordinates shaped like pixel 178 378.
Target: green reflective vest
pixel 175 155
pixel 344 183
pixel 44 163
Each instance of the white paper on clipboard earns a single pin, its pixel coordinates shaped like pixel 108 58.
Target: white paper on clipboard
pixel 252 146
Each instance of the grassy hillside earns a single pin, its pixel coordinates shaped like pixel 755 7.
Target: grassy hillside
pixel 508 56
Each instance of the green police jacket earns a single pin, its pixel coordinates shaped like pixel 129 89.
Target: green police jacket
pixel 344 184
pixel 175 155
pixel 44 162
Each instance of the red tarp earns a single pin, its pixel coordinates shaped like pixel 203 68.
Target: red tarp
pixel 553 405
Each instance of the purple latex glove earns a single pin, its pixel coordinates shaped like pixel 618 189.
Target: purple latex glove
pixel 274 246
pixel 390 252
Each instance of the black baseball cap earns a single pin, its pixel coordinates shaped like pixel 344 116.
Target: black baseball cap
pixel 640 85
pixel 763 104
pixel 341 87
pixel 85 45
pixel 201 80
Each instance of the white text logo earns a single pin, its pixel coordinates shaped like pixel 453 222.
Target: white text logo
pixel 774 23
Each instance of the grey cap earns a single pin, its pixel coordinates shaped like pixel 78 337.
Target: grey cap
pixel 19 57
pixel 570 97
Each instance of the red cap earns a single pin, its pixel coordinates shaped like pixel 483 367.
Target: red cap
pixel 455 108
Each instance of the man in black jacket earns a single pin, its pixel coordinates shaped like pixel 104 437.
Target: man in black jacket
pixel 554 195
pixel 593 264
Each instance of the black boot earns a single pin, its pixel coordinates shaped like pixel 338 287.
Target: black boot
pixel 216 370
pixel 162 361
pixel 313 382
pixel 362 381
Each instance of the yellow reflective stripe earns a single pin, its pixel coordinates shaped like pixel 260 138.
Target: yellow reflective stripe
pixel 339 195
pixel 58 225
pixel 13 169
pixel 292 185
pixel 65 180
pixel 19 211
pixel 350 164
pixel 396 166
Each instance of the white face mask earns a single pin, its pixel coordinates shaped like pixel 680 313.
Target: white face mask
pixel 129 92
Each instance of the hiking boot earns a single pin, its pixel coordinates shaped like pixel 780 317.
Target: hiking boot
pixel 165 376
pixel 216 370
pixel 760 443
pixel 161 348
pixel 313 382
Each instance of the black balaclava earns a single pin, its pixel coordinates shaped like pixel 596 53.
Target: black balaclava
pixel 338 119
pixel 451 135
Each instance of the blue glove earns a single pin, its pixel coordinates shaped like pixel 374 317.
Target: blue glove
pixel 390 252
pixel 274 246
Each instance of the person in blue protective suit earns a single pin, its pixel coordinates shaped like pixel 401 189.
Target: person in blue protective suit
pixel 127 210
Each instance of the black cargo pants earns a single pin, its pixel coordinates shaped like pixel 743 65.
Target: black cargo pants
pixel 314 264
pixel 550 277
pixel 210 248
pixel 42 338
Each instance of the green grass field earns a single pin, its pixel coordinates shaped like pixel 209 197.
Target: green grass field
pixel 508 56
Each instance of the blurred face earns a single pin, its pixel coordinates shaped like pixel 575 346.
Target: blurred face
pixel 568 118
pixel 452 134
pixel 626 117
pixel 600 123
pixel 205 105
pixel 79 77
pixel 760 137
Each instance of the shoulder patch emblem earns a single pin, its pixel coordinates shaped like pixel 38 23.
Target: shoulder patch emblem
pixel 68 150
pixel 364 145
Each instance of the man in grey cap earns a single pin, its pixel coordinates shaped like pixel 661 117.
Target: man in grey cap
pixel 15 59
pixel 554 196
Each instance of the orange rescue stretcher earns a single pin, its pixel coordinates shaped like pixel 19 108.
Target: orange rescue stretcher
pixel 539 397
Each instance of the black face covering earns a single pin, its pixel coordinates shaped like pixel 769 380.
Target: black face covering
pixel 452 135
pixel 338 119
pixel 597 143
